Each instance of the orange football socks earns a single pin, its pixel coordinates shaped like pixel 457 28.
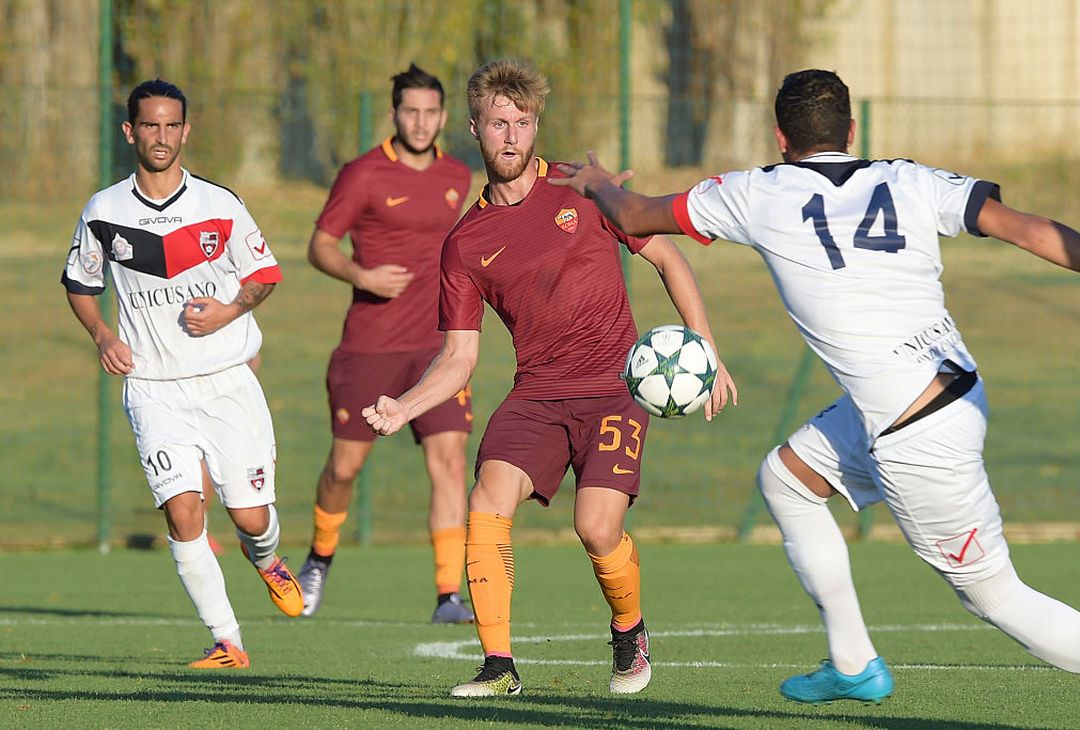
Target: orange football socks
pixel 490 569
pixel 620 580
pixel 327 531
pixel 449 547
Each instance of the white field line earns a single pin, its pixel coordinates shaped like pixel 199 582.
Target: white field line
pixel 701 629
pixel 467 650
pixel 139 621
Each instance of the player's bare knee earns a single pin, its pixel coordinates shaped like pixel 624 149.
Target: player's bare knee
pixel 447 468
pixel 456 466
pixel 184 516
pixel 599 536
pixel 340 472
pixel 442 451
pixel 500 487
pixel 481 498
pixel 252 521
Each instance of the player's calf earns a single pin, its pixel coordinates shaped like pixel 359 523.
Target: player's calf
pixel 1044 626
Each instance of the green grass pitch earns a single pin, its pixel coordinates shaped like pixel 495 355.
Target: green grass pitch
pixel 101 641
pixel 92 641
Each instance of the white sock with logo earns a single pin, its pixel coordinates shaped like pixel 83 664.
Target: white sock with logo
pixel 261 548
pixel 201 577
pixel 817 552
pixel 1044 626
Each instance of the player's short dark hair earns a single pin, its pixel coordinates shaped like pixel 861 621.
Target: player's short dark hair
pixel 154 87
pixel 813 110
pixel 414 78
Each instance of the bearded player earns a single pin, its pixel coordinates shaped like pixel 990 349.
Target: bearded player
pixel 548 263
pixel 189 264
pixel 397 203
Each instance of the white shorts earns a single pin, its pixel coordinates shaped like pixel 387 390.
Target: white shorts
pixel 221 419
pixel 930 474
pixel 833 443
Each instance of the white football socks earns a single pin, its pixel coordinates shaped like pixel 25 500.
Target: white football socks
pixel 261 548
pixel 817 552
pixel 201 577
pixel 1044 626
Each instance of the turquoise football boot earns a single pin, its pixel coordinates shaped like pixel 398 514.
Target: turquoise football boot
pixel 872 684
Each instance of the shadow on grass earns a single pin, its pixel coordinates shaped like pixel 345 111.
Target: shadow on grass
pixel 415 701
pixel 82 612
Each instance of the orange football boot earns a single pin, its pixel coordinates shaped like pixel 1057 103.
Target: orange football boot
pixel 222 655
pixel 282 586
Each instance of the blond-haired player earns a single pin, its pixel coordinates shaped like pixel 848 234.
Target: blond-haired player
pixel 548 263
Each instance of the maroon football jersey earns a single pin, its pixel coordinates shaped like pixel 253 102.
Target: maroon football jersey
pixel 549 266
pixel 395 215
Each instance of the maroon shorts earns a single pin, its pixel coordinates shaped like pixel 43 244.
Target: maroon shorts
pixel 601 438
pixel 355 380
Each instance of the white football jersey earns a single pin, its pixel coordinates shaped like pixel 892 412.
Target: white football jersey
pixel 199 242
pixel 852 246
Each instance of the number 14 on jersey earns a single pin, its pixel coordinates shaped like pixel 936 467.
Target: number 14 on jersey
pixel 881 203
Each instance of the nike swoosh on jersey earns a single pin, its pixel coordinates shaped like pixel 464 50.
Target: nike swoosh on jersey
pixel 619 470
pixel 391 202
pixel 485 260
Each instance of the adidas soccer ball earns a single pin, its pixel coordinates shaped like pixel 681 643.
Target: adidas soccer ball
pixel 670 371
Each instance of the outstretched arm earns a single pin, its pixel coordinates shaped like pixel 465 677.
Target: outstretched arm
pixel 448 373
pixel 1046 238
pixel 683 290
pixel 637 215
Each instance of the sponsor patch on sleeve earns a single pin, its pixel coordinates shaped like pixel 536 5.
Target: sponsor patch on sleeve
pixel 257 245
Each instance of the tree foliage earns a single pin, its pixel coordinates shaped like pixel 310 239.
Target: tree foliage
pixel 274 85
pixel 721 53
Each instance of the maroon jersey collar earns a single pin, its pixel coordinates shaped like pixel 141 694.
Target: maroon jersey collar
pixel 391 153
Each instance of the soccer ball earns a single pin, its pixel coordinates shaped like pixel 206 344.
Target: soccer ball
pixel 670 371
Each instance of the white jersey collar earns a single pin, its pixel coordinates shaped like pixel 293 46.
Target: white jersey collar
pixel 142 194
pixel 829 157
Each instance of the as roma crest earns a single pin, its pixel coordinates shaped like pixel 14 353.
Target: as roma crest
pixel 208 242
pixel 567 219
pixel 452 197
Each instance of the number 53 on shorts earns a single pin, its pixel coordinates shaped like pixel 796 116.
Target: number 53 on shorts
pixel 621 437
